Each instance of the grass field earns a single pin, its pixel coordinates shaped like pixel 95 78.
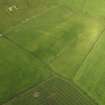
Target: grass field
pixel 60 40
pixel 52 52
pixel 91 74
pixel 24 9
pixel 19 70
pixel 54 91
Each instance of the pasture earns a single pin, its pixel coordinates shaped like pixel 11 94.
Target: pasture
pixel 91 75
pixel 54 91
pixel 52 52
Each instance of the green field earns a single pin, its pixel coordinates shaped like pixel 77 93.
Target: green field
pixel 19 70
pixel 91 76
pixel 52 52
pixel 54 91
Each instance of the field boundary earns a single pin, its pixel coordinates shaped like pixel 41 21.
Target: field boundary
pixel 91 49
pixel 77 87
pixel 30 18
pixel 27 90
pixel 46 64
